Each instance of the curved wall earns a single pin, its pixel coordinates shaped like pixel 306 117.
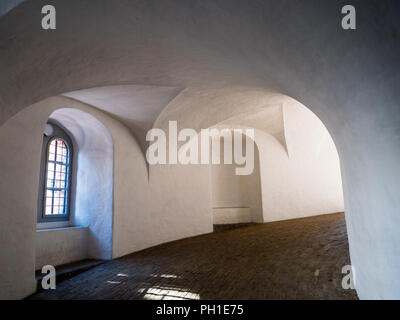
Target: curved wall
pixel 299 166
pixel 93 196
pixel 235 198
pixel 144 208
pixel 349 79
pixel 305 179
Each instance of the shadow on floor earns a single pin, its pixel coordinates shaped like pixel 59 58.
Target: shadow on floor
pixel 294 259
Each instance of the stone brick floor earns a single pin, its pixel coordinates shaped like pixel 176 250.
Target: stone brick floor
pixel 295 259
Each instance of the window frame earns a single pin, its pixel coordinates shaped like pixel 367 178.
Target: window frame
pixel 58 133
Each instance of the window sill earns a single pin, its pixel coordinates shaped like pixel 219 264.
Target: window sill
pixel 60 228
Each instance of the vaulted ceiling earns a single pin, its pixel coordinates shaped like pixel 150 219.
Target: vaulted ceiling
pixel 136 106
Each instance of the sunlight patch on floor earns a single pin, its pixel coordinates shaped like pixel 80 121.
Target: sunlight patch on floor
pixel 168 293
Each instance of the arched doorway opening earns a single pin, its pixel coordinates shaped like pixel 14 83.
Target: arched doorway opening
pixel 236 199
pixel 297 165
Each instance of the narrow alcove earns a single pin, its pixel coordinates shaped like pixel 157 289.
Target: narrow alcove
pixel 85 231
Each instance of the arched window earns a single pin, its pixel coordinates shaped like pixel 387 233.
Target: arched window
pixel 56 169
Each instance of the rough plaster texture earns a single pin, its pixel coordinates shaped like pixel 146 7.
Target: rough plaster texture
pixel 348 78
pixel 231 215
pixel 235 198
pixel 143 208
pixel 93 178
pixel 18 218
pixel 60 246
pixel 136 106
pixel 304 179
pixel 295 176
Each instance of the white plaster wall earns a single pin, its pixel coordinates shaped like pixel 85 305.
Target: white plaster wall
pixel 147 211
pixel 59 246
pixel 23 136
pixel 299 174
pixel 349 79
pixel 305 180
pixel 137 107
pixel 231 215
pixel 93 178
pixel 235 198
pixel 23 140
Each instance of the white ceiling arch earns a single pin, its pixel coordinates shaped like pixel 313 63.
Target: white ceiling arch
pixel 136 106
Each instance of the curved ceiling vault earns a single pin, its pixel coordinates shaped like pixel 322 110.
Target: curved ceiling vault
pixel 141 108
pixel 137 107
pixel 154 43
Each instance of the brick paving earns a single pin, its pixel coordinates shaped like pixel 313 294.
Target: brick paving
pixel 294 259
